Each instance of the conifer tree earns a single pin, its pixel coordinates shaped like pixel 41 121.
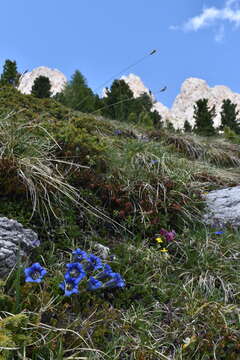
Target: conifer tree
pixel 10 75
pixel 204 118
pixel 77 95
pixel 187 126
pixel 156 119
pixel 169 125
pixel 229 116
pixel 41 87
pixel 118 101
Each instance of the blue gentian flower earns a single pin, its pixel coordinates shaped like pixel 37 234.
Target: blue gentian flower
pixel 107 272
pixel 219 232
pixel 93 284
pixel 69 286
pixel 153 162
pixel 79 255
pixel 34 273
pixel 117 132
pixel 93 263
pixel 75 271
pixel 116 281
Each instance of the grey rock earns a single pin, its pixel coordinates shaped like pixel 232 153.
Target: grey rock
pixel 103 251
pixel 223 207
pixel 14 238
pixel 57 79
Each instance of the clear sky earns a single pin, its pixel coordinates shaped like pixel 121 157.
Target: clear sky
pixel 194 38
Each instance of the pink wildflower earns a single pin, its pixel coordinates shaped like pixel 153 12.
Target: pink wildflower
pixel 169 235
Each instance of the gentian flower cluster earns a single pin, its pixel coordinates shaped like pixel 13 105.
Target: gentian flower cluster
pixel 83 265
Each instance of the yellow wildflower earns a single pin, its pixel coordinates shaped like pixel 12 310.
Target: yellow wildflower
pixel 164 250
pixel 159 240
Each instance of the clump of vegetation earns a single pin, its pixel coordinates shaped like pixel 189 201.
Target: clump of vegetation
pixel 204 116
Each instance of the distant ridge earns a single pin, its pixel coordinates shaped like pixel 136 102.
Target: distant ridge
pixel 192 90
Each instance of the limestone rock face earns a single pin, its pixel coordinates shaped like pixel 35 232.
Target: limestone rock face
pixel 223 207
pixel 136 85
pixel 138 88
pixel 56 77
pixel 194 89
pixel 13 236
pixel 191 91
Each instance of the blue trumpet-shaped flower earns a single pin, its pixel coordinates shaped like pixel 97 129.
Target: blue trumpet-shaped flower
pixel 93 284
pixel 34 273
pixel 219 232
pixel 79 255
pixel 75 271
pixel 93 263
pixel 69 286
pixel 107 272
pixel 116 281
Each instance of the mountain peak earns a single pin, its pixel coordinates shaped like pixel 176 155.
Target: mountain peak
pixel 57 79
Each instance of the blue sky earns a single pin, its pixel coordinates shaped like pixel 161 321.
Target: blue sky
pixel 194 38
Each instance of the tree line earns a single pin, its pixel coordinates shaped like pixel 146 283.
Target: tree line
pixel 120 104
pixel 204 118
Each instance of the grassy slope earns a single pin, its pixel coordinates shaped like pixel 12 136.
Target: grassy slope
pixel 182 304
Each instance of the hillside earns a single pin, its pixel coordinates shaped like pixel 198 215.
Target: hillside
pixel 133 196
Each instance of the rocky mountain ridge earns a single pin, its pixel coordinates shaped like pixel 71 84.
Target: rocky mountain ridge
pixel 191 90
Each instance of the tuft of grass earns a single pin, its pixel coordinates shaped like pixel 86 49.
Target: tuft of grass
pixel 27 153
pixel 196 148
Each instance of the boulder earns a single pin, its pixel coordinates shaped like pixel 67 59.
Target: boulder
pixel 223 207
pixel 13 237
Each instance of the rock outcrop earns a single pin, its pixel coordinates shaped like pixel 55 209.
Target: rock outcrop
pixel 57 79
pixel 192 90
pixel 13 237
pixel 138 88
pixel 223 207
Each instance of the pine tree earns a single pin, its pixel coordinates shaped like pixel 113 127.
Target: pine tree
pixel 169 125
pixel 77 95
pixel 187 127
pixel 41 87
pixel 118 101
pixel 229 116
pixel 10 75
pixel 204 118
pixel 141 103
pixel 157 119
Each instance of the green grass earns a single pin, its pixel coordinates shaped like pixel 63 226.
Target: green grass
pixel 182 304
